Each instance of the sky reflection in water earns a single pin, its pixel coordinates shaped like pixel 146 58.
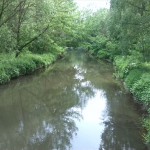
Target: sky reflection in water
pixel 77 105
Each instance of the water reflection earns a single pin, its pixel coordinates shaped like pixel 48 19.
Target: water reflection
pixel 76 106
pixel 38 113
pixel 91 126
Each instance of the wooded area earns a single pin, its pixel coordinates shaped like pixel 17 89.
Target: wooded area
pixel 34 33
pixel 121 35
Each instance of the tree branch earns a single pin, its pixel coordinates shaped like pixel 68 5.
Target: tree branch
pixel 29 42
pixel 12 15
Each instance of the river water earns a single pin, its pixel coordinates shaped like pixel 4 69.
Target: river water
pixel 76 104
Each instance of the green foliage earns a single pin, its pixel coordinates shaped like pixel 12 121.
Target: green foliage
pixel 137 79
pixel 36 25
pixel 133 77
pixel 122 35
pixel 103 54
pixel 146 66
pixel 124 64
pixel 3 77
pixel 41 27
pixel 112 48
pixel 95 44
pixel 41 45
pixel 7 40
pixel 10 69
pixel 128 17
pixel 96 38
pixel 141 89
pixel 146 125
pixel 25 64
pixel 109 50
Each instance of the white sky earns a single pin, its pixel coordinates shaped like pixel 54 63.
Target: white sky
pixel 93 4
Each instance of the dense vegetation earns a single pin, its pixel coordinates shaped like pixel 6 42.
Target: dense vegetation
pixel 121 35
pixel 33 34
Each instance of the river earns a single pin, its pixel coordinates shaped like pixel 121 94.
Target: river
pixel 75 104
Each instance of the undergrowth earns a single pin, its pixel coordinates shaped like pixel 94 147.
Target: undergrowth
pixel 11 67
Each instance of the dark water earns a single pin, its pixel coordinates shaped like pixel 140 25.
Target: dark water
pixel 75 105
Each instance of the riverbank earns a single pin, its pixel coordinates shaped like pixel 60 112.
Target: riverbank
pixel 135 74
pixel 136 77
pixel 26 63
pixel 65 99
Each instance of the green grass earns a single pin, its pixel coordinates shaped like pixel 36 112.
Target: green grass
pixel 146 125
pixel 131 68
pixel 11 67
pixel 136 75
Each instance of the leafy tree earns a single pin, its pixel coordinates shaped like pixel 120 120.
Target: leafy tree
pixel 36 26
pixel 128 17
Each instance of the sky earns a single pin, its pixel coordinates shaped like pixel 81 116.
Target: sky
pixel 92 4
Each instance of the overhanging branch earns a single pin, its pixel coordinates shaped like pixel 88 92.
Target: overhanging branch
pixel 29 42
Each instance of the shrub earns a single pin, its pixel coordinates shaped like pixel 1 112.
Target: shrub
pixel 42 44
pixel 7 39
pixel 25 64
pixel 3 77
pixel 29 65
pixel 103 54
pixel 20 64
pixel 141 89
pixel 146 125
pixel 112 49
pixel 11 69
pixel 146 66
pixel 96 45
pixel 133 77
pixel 124 64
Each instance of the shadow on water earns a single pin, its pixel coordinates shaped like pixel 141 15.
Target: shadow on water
pixel 77 105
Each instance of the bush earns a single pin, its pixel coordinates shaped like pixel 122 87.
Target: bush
pixel 103 54
pixel 137 78
pixel 21 65
pixel 25 64
pixel 146 66
pixel 133 77
pixel 29 65
pixel 146 125
pixel 7 40
pixel 3 77
pixel 141 89
pixel 96 45
pixel 112 49
pixel 124 64
pixel 42 44
pixel 11 69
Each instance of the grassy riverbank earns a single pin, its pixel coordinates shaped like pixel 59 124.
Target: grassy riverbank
pixel 33 34
pixel 12 67
pixel 108 38
pixel 135 73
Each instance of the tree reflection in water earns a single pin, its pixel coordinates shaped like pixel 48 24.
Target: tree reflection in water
pixel 122 124
pixel 39 113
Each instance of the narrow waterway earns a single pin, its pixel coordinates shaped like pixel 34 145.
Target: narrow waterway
pixel 74 105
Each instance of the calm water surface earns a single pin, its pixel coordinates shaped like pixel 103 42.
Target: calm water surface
pixel 76 105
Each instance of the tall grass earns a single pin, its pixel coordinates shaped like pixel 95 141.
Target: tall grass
pixel 136 75
pixel 11 67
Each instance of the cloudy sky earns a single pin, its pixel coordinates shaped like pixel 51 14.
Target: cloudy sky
pixel 92 4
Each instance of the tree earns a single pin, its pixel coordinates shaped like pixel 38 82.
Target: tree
pixel 128 17
pixel 37 26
